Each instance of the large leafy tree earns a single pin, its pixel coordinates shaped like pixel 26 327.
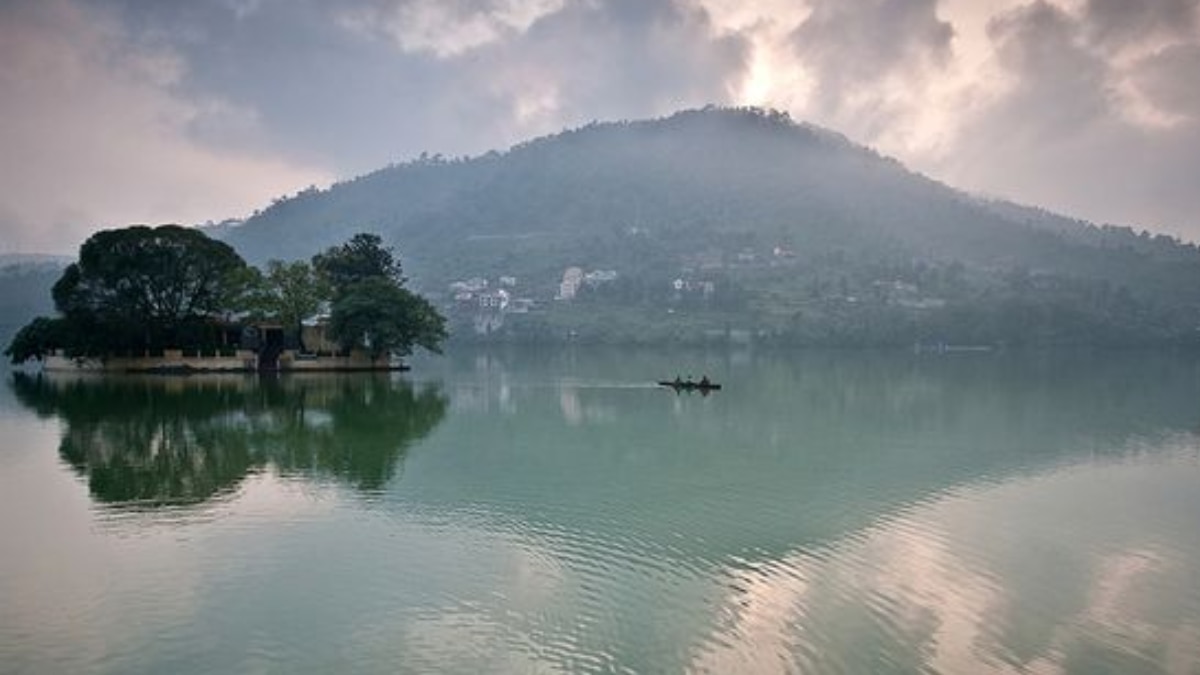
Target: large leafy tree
pixel 160 275
pixel 157 277
pixel 371 308
pixel 138 287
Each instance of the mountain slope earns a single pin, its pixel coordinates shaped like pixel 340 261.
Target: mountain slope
pixel 790 231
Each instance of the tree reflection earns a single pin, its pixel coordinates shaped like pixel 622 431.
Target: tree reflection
pixel 162 441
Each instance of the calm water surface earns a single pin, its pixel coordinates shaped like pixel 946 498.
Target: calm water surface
pixel 535 512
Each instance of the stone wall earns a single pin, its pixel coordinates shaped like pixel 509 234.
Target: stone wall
pixel 244 360
pixel 291 361
pixel 171 360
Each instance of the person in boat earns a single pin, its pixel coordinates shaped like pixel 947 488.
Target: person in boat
pixel 705 382
pixel 678 382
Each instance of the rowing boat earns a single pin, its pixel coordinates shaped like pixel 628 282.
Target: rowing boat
pixel 688 385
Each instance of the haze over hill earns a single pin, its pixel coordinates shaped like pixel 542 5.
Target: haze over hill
pixel 741 220
pixel 25 281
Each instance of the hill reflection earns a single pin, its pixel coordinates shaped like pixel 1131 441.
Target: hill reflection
pixel 165 441
pixel 798 449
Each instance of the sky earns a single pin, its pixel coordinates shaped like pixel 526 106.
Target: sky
pixel 148 111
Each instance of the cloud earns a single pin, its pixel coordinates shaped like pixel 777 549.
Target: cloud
pixel 357 84
pixel 536 67
pixel 1081 107
pixel 868 56
pixel 858 43
pixel 610 60
pixel 1117 23
pixel 1157 78
pixel 94 137
pixel 1058 86
pixel 448 28
pixel 119 110
pixel 1076 124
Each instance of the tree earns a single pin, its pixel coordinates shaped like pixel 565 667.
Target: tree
pixel 378 315
pixel 243 291
pixel 371 308
pixel 292 291
pixel 135 288
pixel 37 339
pixel 147 281
pixel 161 275
pixel 363 257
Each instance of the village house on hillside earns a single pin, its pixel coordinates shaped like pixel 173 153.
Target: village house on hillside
pixel 572 278
pixel 478 304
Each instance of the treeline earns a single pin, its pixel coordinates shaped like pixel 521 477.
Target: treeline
pixel 141 290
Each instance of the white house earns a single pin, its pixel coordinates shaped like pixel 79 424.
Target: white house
pixel 572 277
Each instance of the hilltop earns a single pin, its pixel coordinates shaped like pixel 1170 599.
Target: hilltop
pixel 742 221
pixel 736 224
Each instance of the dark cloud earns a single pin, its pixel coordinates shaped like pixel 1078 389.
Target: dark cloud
pixel 618 59
pixel 1158 78
pixel 1059 86
pixel 1119 22
pixel 850 45
pixel 313 91
pixel 357 84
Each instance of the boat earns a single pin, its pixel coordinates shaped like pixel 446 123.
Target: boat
pixel 689 385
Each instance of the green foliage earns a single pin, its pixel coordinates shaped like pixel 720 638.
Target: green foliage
pixel 138 288
pixel 244 291
pixel 142 288
pixel 363 257
pixel 149 275
pixel 371 308
pixel 37 339
pixel 139 285
pixel 383 318
pixel 687 195
pixel 291 292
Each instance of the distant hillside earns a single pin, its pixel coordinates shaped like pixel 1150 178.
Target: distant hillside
pixel 734 222
pixel 25 282
pixel 723 222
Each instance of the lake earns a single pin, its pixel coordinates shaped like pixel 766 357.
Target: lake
pixel 523 511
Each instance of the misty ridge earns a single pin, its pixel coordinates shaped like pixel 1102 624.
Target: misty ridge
pixel 738 224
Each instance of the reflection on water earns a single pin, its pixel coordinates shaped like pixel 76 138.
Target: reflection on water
pixel 154 441
pixel 822 513
pixel 1060 574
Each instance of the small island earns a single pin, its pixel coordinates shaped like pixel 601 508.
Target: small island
pixel 170 299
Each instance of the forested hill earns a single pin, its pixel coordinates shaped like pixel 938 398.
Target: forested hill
pixel 777 228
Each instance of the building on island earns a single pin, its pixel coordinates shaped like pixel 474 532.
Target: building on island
pixel 246 347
